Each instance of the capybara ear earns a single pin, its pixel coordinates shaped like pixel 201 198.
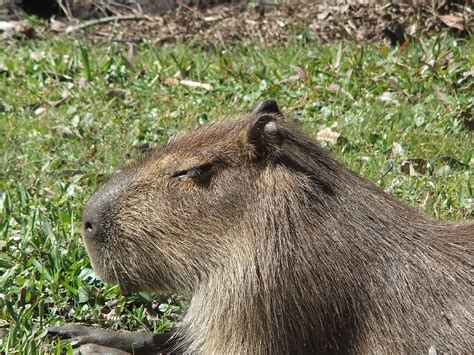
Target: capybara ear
pixel 268 106
pixel 265 134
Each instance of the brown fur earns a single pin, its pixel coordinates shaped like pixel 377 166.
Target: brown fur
pixel 282 249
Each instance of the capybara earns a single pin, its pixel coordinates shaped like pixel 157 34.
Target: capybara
pixel 279 248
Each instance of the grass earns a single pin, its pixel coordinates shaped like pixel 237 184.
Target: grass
pixel 72 113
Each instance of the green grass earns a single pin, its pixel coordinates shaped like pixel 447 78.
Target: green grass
pixel 54 154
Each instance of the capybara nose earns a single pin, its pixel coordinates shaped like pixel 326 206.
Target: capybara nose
pixel 90 228
pixel 97 218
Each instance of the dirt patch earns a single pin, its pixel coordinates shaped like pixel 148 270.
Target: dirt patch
pixel 227 23
pixel 230 23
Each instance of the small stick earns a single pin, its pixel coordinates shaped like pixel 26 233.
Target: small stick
pixel 65 9
pixel 85 24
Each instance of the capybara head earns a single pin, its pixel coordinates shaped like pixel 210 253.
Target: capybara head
pixel 164 222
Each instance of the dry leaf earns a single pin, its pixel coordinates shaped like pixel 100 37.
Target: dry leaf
pixel 338 89
pixel 40 111
pixel 337 61
pixel 414 167
pixel 152 316
pixel 63 131
pixel 83 83
pixel 393 83
pixel 388 97
pixel 453 21
pixel 323 15
pixel 397 150
pixel 57 26
pixel 130 60
pixel 196 84
pixel 441 95
pixel 64 96
pixel 211 18
pixel 171 81
pixel 467 75
pixel 300 73
pixel 36 56
pixel 12 28
pixel 111 316
pixel 412 29
pixel 327 135
pixel 342 8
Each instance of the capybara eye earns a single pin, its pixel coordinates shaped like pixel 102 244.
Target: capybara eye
pixel 200 172
pixel 180 174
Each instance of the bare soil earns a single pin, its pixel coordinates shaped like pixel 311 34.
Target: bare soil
pixel 267 23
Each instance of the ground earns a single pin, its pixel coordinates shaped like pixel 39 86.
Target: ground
pixel 73 111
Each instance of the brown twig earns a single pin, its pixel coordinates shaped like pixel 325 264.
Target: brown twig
pixel 100 6
pixel 85 24
pixel 65 9
pixel 135 10
pixel 110 8
pixel 184 6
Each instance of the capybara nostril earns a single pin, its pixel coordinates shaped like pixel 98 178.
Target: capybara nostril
pixel 90 229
